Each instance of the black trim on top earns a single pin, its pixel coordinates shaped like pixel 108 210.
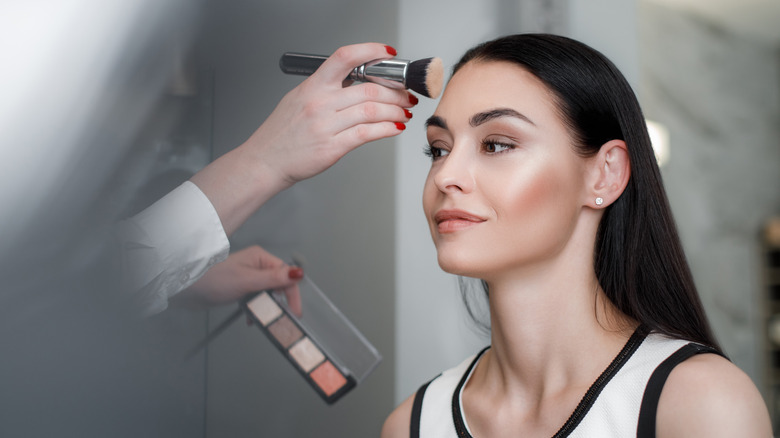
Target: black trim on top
pixel 649 407
pixel 457 417
pixel 414 424
pixel 587 400
pixel 593 392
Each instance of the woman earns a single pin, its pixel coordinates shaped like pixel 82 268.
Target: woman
pixel 543 184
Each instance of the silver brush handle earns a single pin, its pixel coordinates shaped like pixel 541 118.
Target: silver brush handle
pixel 389 72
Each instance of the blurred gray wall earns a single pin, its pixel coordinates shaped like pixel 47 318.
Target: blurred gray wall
pixel 88 128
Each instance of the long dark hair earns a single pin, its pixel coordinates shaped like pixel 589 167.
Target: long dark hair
pixel 639 260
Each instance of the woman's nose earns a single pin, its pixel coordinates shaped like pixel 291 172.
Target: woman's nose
pixel 455 172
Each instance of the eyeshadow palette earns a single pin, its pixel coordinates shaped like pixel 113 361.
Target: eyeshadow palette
pixel 321 343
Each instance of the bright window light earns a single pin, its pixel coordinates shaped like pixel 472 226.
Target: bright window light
pixel 659 137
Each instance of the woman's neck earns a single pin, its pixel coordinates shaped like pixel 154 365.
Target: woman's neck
pixel 553 333
pixel 552 328
pixel 548 347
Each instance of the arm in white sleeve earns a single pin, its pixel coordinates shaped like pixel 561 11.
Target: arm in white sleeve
pixel 168 246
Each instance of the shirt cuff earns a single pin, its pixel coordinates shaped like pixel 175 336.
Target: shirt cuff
pixel 171 244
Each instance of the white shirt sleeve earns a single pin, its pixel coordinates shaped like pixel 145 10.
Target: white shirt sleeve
pixel 168 246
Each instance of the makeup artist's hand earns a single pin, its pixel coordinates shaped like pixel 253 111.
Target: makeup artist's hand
pixel 312 127
pixel 247 271
pixel 321 120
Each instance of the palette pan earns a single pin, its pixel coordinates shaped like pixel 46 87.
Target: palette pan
pixel 321 343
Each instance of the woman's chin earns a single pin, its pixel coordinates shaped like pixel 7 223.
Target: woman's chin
pixel 457 265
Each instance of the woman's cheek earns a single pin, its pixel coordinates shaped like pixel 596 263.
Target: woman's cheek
pixel 536 206
pixel 428 199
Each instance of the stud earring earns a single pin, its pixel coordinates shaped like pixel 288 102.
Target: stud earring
pixel 599 201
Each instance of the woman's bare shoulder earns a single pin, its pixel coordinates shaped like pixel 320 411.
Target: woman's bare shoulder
pixel 397 423
pixel 707 395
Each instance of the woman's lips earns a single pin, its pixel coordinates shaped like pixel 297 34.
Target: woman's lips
pixel 449 221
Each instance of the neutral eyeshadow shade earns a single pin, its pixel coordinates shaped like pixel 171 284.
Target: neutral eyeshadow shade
pixel 285 331
pixel 328 378
pixel 264 308
pixel 306 354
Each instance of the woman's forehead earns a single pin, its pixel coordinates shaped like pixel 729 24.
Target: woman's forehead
pixel 481 86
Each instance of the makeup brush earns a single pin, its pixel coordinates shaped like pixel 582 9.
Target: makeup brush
pixel 425 76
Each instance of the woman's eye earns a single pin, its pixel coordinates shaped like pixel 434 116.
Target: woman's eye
pixel 433 152
pixel 494 147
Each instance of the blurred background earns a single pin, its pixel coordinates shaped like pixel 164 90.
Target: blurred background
pixel 106 106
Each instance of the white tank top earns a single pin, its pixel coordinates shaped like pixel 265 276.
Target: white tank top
pixel 627 390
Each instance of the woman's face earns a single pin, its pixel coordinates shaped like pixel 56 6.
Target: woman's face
pixel 505 187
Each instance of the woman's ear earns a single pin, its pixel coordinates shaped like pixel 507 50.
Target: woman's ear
pixel 609 171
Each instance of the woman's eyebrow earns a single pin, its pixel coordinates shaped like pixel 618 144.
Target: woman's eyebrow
pixel 480 118
pixel 435 121
pixel 485 116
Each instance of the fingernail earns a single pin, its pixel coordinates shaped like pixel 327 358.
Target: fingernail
pixel 400 126
pixel 391 50
pixel 408 113
pixel 413 99
pixel 295 273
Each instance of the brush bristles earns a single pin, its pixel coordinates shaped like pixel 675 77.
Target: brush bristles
pixel 426 76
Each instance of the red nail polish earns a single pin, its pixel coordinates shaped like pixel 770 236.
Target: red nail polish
pixel 408 113
pixel 391 50
pixel 413 99
pixel 400 126
pixel 295 273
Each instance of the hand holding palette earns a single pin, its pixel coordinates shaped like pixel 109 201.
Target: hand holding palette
pixel 323 345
